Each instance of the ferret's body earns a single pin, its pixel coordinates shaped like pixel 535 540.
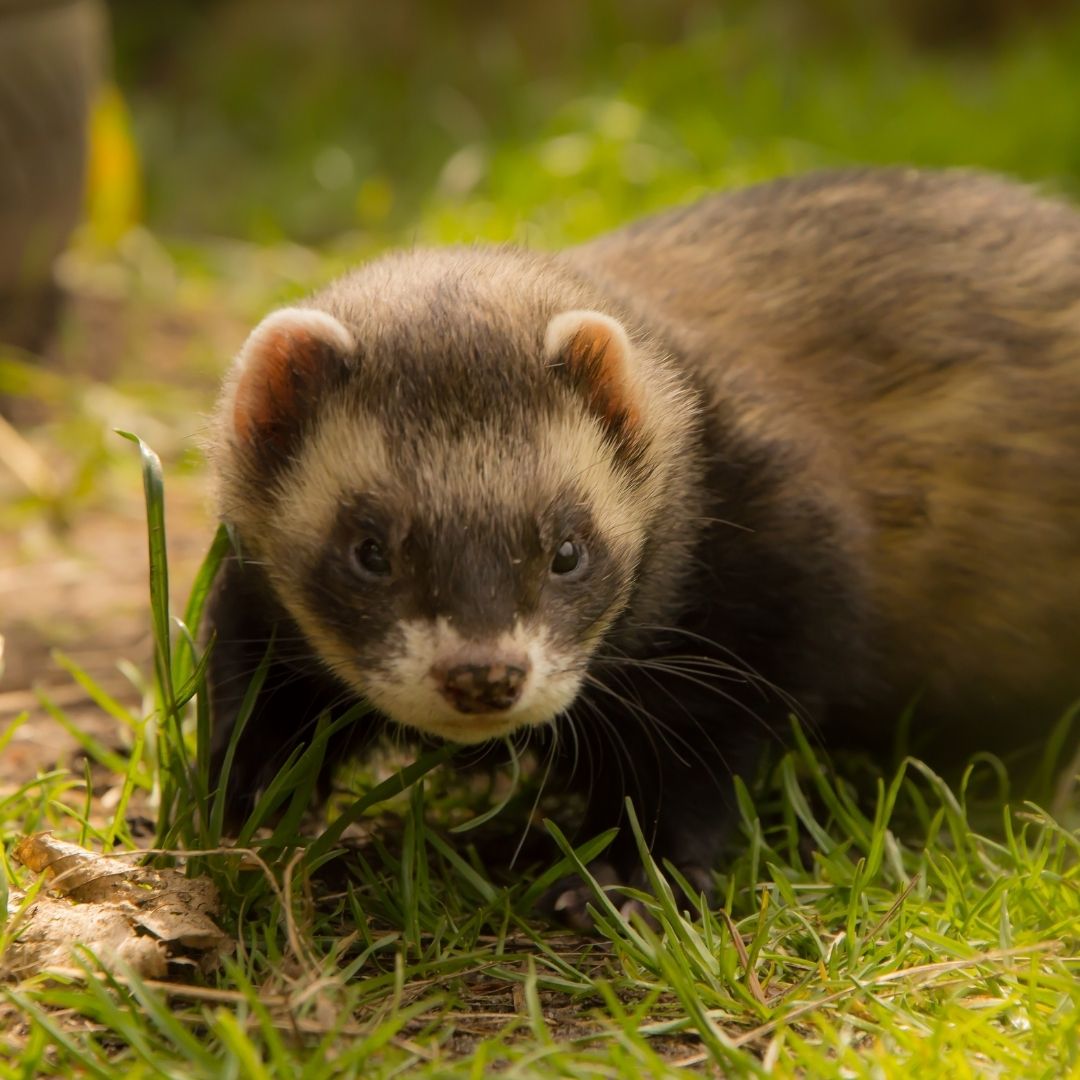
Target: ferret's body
pixel 911 342
pixel 825 432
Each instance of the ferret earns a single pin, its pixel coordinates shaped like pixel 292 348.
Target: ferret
pixel 812 447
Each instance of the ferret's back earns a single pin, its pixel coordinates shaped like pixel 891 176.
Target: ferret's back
pixel 915 337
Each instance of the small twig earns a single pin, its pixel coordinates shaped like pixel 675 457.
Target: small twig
pixel 744 959
pixel 25 463
pixel 919 971
pixel 889 915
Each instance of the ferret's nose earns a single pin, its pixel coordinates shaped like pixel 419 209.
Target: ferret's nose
pixel 479 688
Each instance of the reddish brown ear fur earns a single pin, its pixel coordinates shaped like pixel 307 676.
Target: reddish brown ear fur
pixel 596 353
pixel 286 358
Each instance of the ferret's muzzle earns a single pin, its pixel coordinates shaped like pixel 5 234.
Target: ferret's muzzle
pixel 481 688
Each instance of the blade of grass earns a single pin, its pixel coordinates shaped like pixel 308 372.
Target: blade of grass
pixel 106 702
pixel 391 786
pixel 220 548
pixel 494 811
pixel 154 492
pixel 12 728
pixel 583 855
pixel 94 748
pixel 61 1038
pixel 216 823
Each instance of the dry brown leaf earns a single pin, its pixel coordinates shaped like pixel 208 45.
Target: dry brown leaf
pixel 155 921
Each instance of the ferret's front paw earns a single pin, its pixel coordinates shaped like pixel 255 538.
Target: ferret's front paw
pixel 567 901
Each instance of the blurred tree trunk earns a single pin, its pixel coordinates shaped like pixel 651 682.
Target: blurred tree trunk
pixel 51 57
pixel 953 23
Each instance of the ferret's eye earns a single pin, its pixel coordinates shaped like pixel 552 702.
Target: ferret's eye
pixel 369 559
pixel 569 557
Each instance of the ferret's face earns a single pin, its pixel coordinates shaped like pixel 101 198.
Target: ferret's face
pixel 462 596
pixel 453 530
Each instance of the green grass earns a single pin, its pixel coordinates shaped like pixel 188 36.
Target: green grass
pixel 556 120
pixel 872 922
pixel 869 925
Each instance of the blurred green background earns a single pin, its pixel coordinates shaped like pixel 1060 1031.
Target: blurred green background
pixel 361 123
pixel 244 151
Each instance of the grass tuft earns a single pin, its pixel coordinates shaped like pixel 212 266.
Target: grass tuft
pixel 871 925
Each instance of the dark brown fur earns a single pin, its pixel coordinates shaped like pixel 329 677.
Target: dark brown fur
pixel 880 504
pixel 910 341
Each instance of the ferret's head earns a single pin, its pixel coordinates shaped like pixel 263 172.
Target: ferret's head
pixel 453 469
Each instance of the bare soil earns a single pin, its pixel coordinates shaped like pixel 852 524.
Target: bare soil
pixel 73 561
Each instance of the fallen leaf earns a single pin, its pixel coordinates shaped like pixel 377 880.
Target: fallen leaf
pixel 153 921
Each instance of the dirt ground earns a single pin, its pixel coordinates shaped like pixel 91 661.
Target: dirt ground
pixel 73 562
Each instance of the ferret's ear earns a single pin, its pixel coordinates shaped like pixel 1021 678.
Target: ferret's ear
pixel 287 360
pixel 594 351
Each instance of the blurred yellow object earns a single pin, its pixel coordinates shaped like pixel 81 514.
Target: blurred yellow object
pixel 51 59
pixel 374 200
pixel 114 197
